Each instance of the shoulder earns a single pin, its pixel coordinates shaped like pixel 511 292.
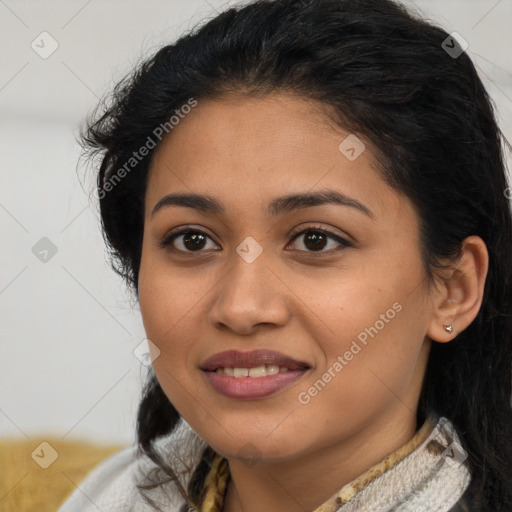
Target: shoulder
pixel 112 485
pixel 107 487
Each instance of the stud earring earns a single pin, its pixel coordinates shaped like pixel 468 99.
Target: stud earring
pixel 448 328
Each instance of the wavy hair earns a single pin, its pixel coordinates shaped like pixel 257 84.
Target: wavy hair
pixel 382 72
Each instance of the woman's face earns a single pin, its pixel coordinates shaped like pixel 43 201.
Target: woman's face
pixel 320 303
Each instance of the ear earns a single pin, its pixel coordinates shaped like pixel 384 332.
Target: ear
pixel 459 293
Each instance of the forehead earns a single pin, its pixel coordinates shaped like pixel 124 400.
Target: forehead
pixel 247 149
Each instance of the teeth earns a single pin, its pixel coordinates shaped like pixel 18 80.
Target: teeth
pixel 272 369
pixel 258 371
pixel 241 372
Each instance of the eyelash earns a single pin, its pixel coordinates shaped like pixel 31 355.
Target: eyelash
pixel 170 237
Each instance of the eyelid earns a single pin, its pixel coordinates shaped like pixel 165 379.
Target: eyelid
pixel 166 240
pixel 317 227
pixel 342 242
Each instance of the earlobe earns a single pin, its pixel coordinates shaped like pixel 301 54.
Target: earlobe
pixel 458 299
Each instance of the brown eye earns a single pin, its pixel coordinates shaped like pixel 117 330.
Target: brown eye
pixel 188 240
pixel 317 239
pixel 193 241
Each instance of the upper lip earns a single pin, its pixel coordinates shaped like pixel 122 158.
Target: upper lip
pixel 252 359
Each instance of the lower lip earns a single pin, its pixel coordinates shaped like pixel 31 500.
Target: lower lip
pixel 250 388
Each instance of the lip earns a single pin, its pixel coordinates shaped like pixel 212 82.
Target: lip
pixel 251 388
pixel 252 359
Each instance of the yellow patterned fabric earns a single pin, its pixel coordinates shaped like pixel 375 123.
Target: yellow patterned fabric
pixel 218 477
pixel 215 485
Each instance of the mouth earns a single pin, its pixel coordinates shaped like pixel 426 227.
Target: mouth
pixel 251 375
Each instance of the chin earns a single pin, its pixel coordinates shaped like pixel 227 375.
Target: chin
pixel 251 448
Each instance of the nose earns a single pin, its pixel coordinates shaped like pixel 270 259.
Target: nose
pixel 249 296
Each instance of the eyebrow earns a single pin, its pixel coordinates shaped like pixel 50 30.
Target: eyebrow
pixel 278 206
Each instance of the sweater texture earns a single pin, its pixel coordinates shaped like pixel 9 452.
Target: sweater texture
pixel 427 474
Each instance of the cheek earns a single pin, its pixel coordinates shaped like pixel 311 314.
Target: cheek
pixel 164 309
pixel 371 329
pixel 358 307
pixel 167 297
pixel 165 321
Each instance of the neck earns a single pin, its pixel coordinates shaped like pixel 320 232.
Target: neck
pixel 295 486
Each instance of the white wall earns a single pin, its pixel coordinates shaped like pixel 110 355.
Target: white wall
pixel 68 328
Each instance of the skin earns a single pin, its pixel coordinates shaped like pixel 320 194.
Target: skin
pixel 244 152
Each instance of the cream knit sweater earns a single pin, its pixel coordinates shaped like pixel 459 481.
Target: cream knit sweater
pixel 431 478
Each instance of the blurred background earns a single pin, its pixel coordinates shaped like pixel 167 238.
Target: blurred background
pixel 71 359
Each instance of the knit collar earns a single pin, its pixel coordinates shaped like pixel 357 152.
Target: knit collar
pixel 428 472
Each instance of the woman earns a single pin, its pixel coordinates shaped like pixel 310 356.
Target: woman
pixel 309 200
